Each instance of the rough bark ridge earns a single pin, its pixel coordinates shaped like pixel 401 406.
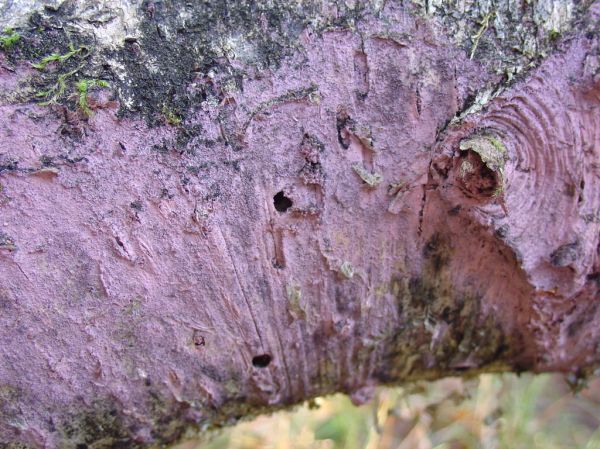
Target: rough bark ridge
pixel 271 202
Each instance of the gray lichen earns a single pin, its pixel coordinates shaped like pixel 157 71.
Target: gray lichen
pixel 372 179
pixel 492 151
pixel 294 296
pixel 510 36
pixel 151 53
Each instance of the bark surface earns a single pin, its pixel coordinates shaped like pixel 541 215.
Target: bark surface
pixel 211 211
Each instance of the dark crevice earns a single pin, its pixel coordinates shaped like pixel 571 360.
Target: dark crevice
pixel 342 123
pixel 476 179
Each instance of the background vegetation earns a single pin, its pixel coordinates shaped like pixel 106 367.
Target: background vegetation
pixel 489 412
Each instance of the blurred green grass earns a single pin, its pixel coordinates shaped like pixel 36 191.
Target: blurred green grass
pixel 489 412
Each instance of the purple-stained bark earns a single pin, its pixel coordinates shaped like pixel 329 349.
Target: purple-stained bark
pixel 337 224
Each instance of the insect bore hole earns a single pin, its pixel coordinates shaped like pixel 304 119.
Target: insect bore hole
pixel 261 361
pixel 281 202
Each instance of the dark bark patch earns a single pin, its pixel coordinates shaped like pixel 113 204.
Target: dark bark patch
pixel 99 426
pixel 594 277
pixel 442 329
pixel 581 322
pixel 311 149
pixel 361 74
pixel 7 242
pixel 565 255
pixel 441 332
pixel 436 252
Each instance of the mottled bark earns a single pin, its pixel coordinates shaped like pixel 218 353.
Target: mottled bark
pixel 271 202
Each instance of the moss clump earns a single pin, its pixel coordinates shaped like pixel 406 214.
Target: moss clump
pixel 60 58
pixel 171 116
pixel 9 38
pixel 55 86
pixel 83 86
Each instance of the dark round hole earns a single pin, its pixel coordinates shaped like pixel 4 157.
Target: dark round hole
pixel 261 361
pixel 282 203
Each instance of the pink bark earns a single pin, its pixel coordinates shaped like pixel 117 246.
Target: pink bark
pixel 170 285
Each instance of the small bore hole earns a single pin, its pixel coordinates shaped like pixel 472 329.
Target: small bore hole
pixel 282 203
pixel 261 361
